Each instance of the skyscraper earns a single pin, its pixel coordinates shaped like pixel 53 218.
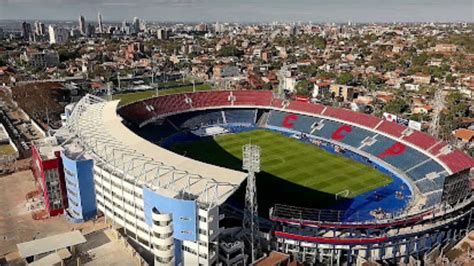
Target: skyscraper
pixel 136 25
pixel 57 35
pixel 52 34
pixel 162 34
pixel 101 25
pixel 27 33
pixel 82 25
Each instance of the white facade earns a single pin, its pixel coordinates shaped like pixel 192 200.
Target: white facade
pixel 122 202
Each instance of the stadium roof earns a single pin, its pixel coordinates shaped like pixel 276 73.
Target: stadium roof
pixel 100 130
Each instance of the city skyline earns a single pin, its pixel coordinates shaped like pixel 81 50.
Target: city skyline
pixel 365 11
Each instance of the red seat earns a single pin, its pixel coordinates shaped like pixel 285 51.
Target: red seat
pixel 350 116
pixel 207 99
pixel 457 161
pixel 391 128
pixel 421 139
pixel 306 107
pixel 262 98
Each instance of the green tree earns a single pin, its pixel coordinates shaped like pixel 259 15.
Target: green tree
pixel 396 106
pixel 345 78
pixel 230 50
pixel 303 87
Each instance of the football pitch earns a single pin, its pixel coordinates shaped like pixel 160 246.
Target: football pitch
pixel 292 172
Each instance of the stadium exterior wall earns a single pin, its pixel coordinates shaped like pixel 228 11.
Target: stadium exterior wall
pixel 81 195
pixel 126 204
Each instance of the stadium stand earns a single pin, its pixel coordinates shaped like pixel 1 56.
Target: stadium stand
pixel 263 98
pixel 140 112
pixel 422 170
pixel 406 160
pixel 137 112
pixel 391 128
pixel 327 129
pixel 204 119
pixel 170 104
pixel 306 107
pixel 426 185
pixel 277 103
pixel 432 199
pixel 353 117
pixel 420 139
pixel 379 146
pixel 206 99
pixel 240 116
pixel 437 147
pixel 355 137
pixel 457 160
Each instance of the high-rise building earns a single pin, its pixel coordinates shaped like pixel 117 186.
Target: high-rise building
pixel 162 34
pixel 136 25
pixel 101 25
pixel 90 30
pixel 82 25
pixel 57 35
pixel 27 32
pixel 38 28
pixel 142 25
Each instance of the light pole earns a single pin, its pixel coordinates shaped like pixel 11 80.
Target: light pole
pixel 251 163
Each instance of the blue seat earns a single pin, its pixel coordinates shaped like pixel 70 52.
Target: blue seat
pixel 204 119
pixel 240 116
pixel 421 171
pixel 302 123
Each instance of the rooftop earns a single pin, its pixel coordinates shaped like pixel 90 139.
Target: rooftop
pixel 50 243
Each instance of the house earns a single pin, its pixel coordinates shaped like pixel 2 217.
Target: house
pixel 344 91
pixel 225 71
pixel 420 78
pixel 321 88
pixel 445 48
pixel 465 135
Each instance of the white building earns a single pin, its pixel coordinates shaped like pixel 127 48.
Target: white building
pixel 57 35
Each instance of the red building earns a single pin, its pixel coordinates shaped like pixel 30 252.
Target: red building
pixel 49 174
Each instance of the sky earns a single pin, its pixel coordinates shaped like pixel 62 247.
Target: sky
pixel 243 10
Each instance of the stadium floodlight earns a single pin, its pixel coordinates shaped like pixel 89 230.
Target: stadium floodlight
pixel 251 163
pixel 251 158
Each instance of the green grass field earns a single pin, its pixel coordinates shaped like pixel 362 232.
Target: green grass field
pixel 292 172
pixel 126 98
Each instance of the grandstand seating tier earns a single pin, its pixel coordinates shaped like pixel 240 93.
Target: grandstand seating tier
pixel 353 117
pixel 262 98
pixel 391 128
pixel 306 107
pixel 421 140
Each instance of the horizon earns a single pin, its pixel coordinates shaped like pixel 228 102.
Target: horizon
pixel 243 11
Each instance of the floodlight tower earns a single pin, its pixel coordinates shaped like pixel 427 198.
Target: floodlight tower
pixel 438 105
pixel 251 163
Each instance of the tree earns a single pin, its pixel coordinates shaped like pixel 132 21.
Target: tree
pixel 230 50
pixel 319 42
pixel 344 78
pixel 397 106
pixel 268 87
pixel 420 59
pixel 303 87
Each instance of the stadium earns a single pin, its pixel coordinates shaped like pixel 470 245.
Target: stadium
pixel 335 186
